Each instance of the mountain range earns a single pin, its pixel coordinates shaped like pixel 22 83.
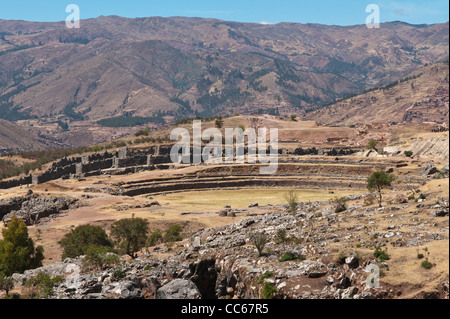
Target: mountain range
pixel 116 71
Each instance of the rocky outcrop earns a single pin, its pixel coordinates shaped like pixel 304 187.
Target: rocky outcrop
pixel 222 262
pixel 32 210
pixel 437 147
pixel 429 169
pixel 178 289
pixel 8 205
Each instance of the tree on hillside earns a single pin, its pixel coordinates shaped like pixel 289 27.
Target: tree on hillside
pixel 17 251
pixel 292 199
pixel 379 180
pixel 83 238
pixel 372 145
pixel 6 283
pixel 259 240
pixel 130 235
pixel 219 122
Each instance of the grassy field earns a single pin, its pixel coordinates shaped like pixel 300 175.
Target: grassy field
pixel 240 198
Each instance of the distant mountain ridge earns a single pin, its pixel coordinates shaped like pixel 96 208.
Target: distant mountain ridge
pixel 178 67
pixel 422 96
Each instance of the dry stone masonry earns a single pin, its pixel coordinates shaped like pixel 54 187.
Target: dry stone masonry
pixel 122 161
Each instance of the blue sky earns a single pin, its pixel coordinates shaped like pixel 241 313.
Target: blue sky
pixel 331 12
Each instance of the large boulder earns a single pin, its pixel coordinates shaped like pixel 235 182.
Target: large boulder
pixel 178 289
pixel 401 199
pixel 445 170
pixel 8 205
pixel 352 262
pixel 429 169
pixel 32 210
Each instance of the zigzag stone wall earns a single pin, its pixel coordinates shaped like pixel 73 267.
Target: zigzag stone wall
pixel 94 165
pixel 97 164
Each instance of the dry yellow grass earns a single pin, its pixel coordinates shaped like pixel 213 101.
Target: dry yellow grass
pixel 405 268
pixel 241 198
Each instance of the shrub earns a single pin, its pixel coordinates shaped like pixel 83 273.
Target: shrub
pixel 96 148
pixel 340 204
pixel 408 153
pixel 41 286
pixel 119 274
pixel 422 196
pixel 269 291
pixel 381 254
pixel 281 237
pixel 173 234
pixel 259 240
pixel 426 264
pixel 143 132
pixel 98 257
pixel 83 238
pixel 219 122
pixel 290 256
pixel 155 238
pixel 266 275
pixel 292 199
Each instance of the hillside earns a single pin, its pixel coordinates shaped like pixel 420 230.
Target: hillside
pixel 178 67
pixel 14 137
pixel 422 96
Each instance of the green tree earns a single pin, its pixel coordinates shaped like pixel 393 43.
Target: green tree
pixel 82 238
pixel 130 234
pixel 293 117
pixel 372 145
pixel 6 283
pixel 259 240
pixel 379 180
pixel 17 251
pixel 292 199
pixel 219 122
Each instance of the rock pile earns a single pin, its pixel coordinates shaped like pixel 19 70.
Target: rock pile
pixel 223 262
pixel 32 210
